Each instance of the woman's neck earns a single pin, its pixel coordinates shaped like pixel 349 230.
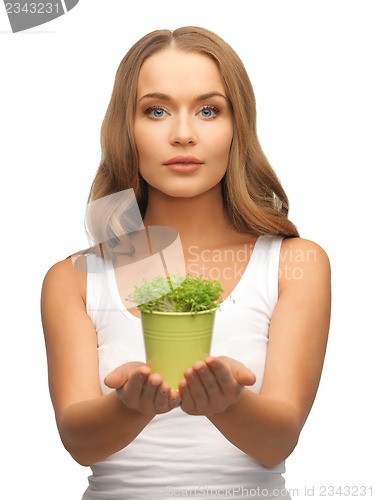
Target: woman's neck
pixel 200 219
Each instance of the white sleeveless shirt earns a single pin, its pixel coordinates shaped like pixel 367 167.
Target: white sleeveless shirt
pixel 180 455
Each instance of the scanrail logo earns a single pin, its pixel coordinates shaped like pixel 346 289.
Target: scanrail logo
pixel 24 15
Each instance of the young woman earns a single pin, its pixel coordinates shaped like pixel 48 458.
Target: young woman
pixel 180 130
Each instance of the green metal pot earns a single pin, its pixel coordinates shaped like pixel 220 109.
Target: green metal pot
pixel 174 341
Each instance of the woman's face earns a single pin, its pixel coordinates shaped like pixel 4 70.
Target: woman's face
pixel 183 124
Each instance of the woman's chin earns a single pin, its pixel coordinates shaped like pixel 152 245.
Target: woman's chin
pixel 184 189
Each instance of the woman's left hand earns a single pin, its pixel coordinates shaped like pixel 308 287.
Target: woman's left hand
pixel 212 385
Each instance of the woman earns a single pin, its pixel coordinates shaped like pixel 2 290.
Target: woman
pixel 180 131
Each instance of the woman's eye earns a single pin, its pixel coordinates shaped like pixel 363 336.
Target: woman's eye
pixel 155 112
pixel 209 112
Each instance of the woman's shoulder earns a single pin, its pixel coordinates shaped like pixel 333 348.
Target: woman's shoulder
pixel 64 277
pixel 65 268
pixel 303 261
pixel 302 250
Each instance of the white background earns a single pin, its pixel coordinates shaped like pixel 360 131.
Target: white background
pixel 312 67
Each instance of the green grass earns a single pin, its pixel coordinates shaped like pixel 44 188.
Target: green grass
pixel 171 294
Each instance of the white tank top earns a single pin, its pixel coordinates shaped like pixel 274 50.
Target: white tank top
pixel 179 455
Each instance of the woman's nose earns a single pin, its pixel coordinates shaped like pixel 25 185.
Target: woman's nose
pixel 182 131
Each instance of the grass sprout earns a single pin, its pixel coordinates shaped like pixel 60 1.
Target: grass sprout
pixel 177 294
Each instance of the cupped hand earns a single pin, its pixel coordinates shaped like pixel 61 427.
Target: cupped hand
pixel 140 389
pixel 212 385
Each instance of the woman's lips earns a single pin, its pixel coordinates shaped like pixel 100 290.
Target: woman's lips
pixel 183 164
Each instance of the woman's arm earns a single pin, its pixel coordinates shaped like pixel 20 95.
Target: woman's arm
pixel 267 425
pixel 91 426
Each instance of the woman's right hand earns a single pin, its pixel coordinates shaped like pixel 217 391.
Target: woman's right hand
pixel 141 390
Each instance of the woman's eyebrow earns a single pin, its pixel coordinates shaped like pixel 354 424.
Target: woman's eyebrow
pixel 168 98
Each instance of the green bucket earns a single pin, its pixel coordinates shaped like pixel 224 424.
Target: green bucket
pixel 174 341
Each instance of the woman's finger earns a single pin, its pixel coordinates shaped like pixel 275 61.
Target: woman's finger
pixel 209 381
pixel 227 369
pixel 120 376
pixel 187 402
pixel 162 399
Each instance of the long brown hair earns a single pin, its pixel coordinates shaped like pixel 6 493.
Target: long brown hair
pixel 254 198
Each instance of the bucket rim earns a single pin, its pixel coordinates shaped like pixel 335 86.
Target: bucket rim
pixel 173 313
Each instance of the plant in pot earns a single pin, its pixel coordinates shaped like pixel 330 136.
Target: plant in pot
pixel 177 317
